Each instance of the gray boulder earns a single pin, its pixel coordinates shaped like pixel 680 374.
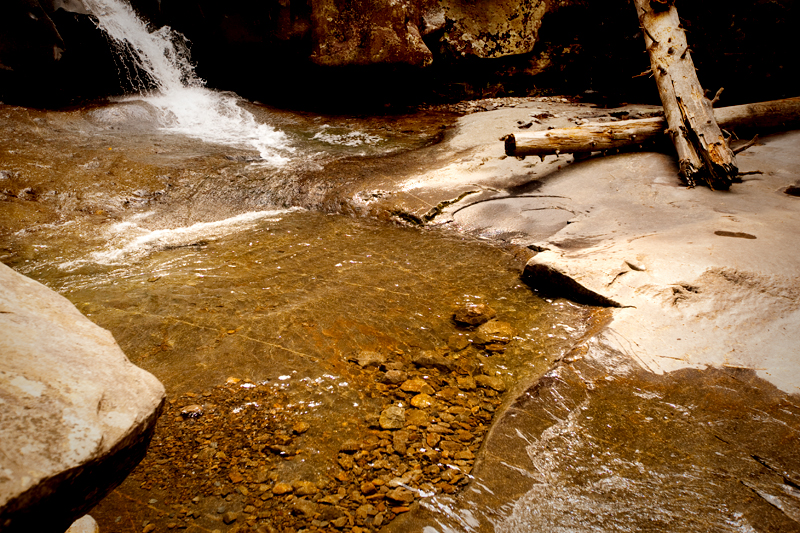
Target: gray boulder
pixel 75 415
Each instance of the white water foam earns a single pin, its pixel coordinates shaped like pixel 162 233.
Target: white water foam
pixel 184 105
pixel 128 241
pixel 351 138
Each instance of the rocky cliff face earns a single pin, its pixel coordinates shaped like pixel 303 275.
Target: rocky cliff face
pixel 75 415
pixel 303 52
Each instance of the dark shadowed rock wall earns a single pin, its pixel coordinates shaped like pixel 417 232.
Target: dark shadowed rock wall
pixel 310 53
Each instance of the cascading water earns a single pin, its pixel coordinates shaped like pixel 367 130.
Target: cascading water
pixel 183 104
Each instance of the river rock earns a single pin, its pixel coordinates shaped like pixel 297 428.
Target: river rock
pixel 421 401
pixel 305 507
pixel 304 488
pixel 77 416
pixel 473 314
pixel 494 332
pixel 466 383
pixel 393 417
pixel 282 488
pixel 417 385
pixel 491 382
pixel 417 417
pixel 367 359
pixel 393 377
pixel 431 359
pixel 85 524
pixel 401 495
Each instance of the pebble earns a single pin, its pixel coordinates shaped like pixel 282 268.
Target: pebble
pixel 437 409
pixel 400 441
pixel 367 359
pixel 458 342
pixel 192 411
pixel 393 377
pixel 282 488
pixel 305 507
pixel 494 332
pixel 230 517
pixel 430 359
pixel 401 495
pixel 416 386
pixel 304 488
pixel 393 417
pixel 421 401
pixel 300 427
pixel 340 522
pixel 473 314
pixel 417 417
pixel 491 382
pixel 466 383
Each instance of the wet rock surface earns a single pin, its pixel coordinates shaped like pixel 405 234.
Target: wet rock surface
pixel 687 299
pixel 601 444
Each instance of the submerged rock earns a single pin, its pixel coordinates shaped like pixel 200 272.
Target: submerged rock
pixel 367 359
pixel 473 315
pixel 494 335
pixel 393 417
pixel 77 416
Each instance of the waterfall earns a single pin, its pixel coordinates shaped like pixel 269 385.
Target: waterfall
pixel 182 101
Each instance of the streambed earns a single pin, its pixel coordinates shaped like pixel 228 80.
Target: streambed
pixel 253 306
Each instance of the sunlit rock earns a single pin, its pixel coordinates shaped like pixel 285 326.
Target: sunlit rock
pixel 76 415
pixel 393 417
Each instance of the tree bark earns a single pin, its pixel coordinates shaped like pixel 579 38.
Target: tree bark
pixel 595 137
pixel 703 153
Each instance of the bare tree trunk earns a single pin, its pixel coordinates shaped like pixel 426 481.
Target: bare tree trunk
pixel 599 136
pixel 703 152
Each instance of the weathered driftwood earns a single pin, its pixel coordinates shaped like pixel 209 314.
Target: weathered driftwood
pixel 703 153
pixel 591 137
pixel 596 137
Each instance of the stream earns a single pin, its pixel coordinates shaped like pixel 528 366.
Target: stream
pixel 235 251
pixel 244 300
pixel 331 365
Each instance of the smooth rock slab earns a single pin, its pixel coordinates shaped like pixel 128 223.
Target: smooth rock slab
pixel 75 415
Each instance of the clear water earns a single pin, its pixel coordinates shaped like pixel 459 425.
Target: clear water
pixel 172 219
pixel 205 267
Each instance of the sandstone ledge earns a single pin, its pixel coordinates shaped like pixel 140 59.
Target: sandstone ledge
pixel 696 375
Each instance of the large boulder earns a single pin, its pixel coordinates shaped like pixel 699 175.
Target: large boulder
pixel 75 415
pixel 366 32
pixel 27 36
pixel 51 54
pixel 490 28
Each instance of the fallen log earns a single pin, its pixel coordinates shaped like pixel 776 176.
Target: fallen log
pixel 703 152
pixel 601 136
